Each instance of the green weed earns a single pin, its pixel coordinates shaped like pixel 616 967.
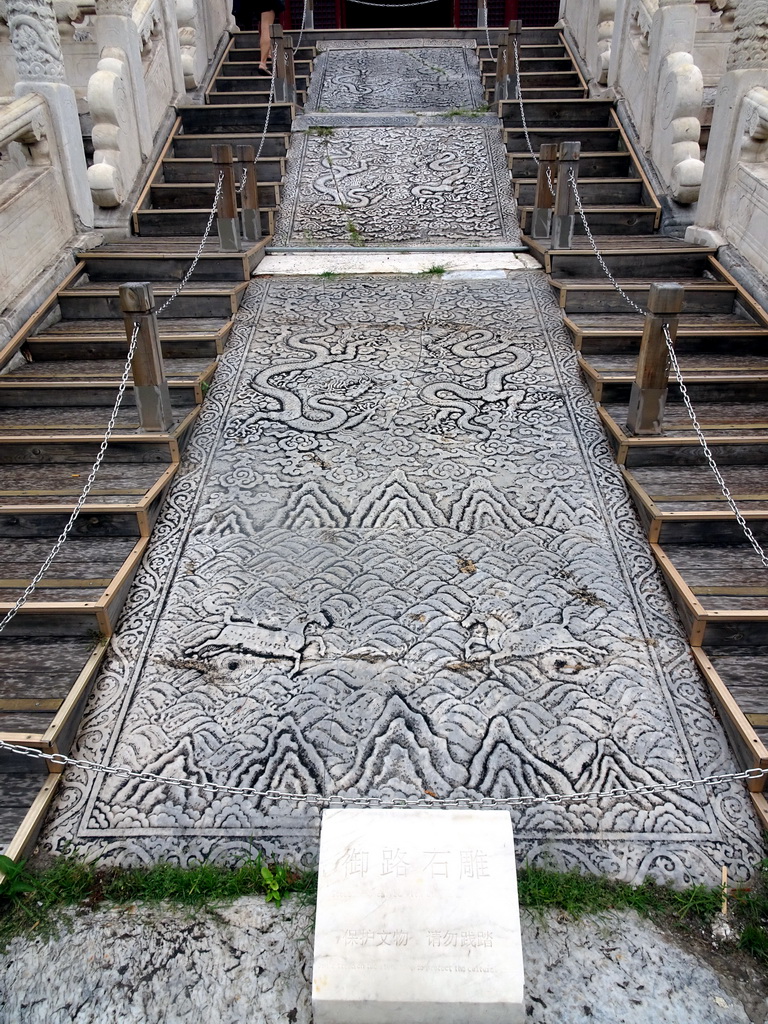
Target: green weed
pixel 436 269
pixel 321 130
pixel 355 235
pixel 329 275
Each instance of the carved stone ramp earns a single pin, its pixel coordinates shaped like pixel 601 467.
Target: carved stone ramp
pixel 403 565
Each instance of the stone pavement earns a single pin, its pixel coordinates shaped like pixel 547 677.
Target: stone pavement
pixel 399 561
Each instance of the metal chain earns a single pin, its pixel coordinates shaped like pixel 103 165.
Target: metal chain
pixel 679 378
pixel 707 452
pixel 593 243
pixel 320 800
pixel 270 100
pixel 32 586
pixel 519 91
pixel 185 280
pixel 303 20
pixel 487 33
pixel 241 184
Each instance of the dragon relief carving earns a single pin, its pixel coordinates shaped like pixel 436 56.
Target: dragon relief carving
pixel 35 40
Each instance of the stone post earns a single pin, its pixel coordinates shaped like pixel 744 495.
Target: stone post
pixel 747 70
pixel 506 74
pixel 40 69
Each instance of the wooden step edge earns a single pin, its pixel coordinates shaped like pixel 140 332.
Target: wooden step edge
pixel 572 57
pixel 113 333
pixel 222 61
pixel 691 376
pixel 754 307
pixel 12 346
pixel 176 382
pixel 107 289
pixel 26 835
pixel 755 750
pixel 136 504
pixel 578 284
pixel 695 616
pixel 683 331
pixel 648 187
pixel 624 442
pixel 117 436
pixel 144 196
pixel 144 256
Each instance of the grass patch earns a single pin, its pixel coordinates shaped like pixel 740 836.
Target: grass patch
pixel 435 270
pixel 329 275
pixel 696 906
pixel 355 234
pixel 321 130
pixel 30 900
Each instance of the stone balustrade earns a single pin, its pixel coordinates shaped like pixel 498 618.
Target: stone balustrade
pixel 35 215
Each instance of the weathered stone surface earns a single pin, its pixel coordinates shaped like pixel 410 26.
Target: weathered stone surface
pixel 250 963
pixel 403 563
pixel 438 186
pixel 413 79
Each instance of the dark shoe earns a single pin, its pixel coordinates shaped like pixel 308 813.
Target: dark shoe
pixel 263 72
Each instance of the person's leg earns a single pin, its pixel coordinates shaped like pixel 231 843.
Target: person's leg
pixel 267 19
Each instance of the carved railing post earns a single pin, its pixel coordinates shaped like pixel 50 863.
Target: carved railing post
pixel 150 385
pixel 249 196
pixel 564 216
pixel 649 390
pixel 544 200
pixel 36 47
pixel 227 221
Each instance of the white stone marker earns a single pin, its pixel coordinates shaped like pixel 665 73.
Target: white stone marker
pixel 417 919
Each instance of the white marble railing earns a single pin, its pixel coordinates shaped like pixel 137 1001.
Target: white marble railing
pixel 35 214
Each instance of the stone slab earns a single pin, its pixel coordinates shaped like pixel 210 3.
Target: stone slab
pixel 432 187
pixel 417 919
pixel 399 560
pixel 406 80
pixel 323 45
pixel 366 262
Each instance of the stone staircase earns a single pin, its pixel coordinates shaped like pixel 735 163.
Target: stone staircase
pixel 54 407
pixel 713 574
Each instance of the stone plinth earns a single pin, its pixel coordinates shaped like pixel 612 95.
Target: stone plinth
pixel 417 919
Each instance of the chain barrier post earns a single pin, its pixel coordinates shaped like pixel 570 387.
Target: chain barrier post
pixel 564 216
pixel 309 15
pixel 150 385
pixel 649 389
pixel 282 89
pixel 226 213
pixel 506 77
pixel 541 217
pixel 250 213
pixel 290 70
pixel 482 14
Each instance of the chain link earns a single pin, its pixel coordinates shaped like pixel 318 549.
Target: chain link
pixel 342 799
pixel 60 540
pixel 680 382
pixel 708 453
pixel 303 20
pixel 270 101
pixel 487 33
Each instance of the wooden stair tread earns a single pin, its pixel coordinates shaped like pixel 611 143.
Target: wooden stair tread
pixel 715 366
pixel 102 371
pixel 624 243
pixel 61 484
pixel 715 323
pixel 188 327
pixel 668 482
pixel 160 247
pixel 85 420
pixel 195 288
pixel 637 284
pixel 716 419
